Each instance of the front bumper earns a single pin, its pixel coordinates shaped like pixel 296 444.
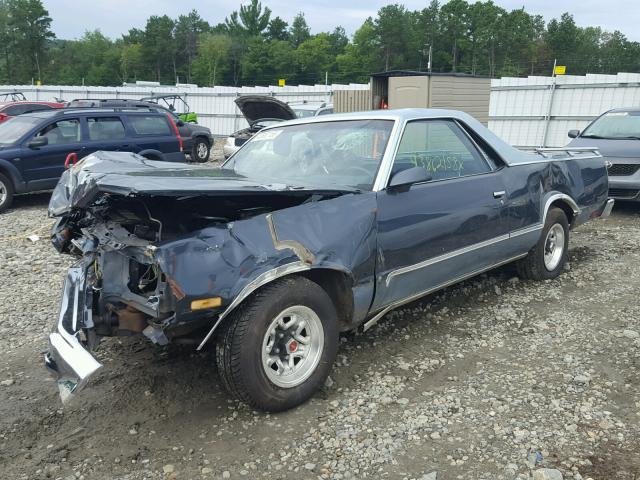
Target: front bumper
pixel 625 188
pixel 67 359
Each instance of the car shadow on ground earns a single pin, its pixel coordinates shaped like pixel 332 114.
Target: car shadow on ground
pixel 40 199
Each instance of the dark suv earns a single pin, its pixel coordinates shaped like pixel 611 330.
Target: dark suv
pixel 197 139
pixel 35 146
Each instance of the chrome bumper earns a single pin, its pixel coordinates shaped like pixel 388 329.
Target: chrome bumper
pixel 607 208
pixel 67 359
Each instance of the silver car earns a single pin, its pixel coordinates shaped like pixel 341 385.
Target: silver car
pixel 616 133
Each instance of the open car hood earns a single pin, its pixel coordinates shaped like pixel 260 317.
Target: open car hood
pixel 257 107
pixel 130 175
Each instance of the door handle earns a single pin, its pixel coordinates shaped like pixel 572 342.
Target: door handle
pixel 499 194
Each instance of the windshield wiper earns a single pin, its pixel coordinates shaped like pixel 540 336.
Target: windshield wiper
pixel 594 136
pixel 630 137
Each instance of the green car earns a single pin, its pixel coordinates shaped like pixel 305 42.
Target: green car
pixel 170 101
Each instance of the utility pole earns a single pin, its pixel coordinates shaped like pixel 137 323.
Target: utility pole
pixel 422 52
pixel 547 118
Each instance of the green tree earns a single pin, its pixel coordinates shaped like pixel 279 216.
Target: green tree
pixel 187 30
pixel 267 61
pixel 212 61
pixel 360 57
pixel 315 57
pixel 6 40
pixel 277 30
pixel 300 31
pixel 131 62
pixel 562 38
pixel 30 29
pixel 159 47
pixel 252 20
pixel 393 30
pixel 338 40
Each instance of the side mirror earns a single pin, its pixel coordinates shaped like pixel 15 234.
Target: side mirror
pixel 408 177
pixel 573 133
pixel 179 123
pixel 38 142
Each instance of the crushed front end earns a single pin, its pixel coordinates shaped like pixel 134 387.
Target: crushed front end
pixel 115 289
pixel 161 251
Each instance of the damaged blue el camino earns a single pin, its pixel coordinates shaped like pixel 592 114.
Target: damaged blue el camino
pixel 313 227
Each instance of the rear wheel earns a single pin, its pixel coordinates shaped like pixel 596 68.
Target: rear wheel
pixel 6 192
pixel 547 259
pixel 200 150
pixel 277 349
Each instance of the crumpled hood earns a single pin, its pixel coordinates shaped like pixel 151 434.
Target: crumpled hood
pixel 128 174
pixel 257 107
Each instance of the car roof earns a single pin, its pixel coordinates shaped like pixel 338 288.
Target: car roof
pixel 402 114
pixel 62 112
pixel 625 109
pixel 29 102
pixel 310 105
pixel 509 154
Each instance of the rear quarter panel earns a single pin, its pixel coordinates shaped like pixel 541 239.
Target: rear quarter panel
pixel 531 185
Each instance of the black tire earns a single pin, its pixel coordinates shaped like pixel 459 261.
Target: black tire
pixel 6 192
pixel 200 150
pixel 533 266
pixel 240 344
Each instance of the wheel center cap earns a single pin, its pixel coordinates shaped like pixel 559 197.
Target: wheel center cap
pixel 292 346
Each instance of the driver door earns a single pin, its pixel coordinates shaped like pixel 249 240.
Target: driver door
pixel 43 166
pixel 434 232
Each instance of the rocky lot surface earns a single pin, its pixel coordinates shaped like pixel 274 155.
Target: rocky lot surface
pixel 493 379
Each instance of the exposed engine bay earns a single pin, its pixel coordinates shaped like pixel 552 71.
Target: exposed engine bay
pixel 117 236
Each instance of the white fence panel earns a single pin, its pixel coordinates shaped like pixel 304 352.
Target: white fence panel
pixel 214 105
pixel 523 111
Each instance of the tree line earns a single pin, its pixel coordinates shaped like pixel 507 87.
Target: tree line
pixel 254 47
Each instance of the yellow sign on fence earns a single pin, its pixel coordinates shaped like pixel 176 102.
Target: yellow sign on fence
pixel 281 82
pixel 560 70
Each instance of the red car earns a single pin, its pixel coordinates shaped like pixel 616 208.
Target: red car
pixel 11 109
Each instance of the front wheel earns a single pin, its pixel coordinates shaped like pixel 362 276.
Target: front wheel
pixel 547 259
pixel 278 347
pixel 200 151
pixel 6 192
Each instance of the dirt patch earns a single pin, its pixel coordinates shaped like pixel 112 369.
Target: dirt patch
pixel 490 379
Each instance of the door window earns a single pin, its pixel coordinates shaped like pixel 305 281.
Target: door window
pixel 105 128
pixel 441 148
pixel 62 132
pixel 150 124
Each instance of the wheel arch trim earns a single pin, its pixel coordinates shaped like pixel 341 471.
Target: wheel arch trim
pixel 262 280
pixel 560 198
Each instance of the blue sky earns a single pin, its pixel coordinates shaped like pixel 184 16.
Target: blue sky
pixel 71 18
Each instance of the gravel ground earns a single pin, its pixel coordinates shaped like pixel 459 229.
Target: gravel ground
pixel 492 379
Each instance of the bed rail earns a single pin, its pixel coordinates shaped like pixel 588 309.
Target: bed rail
pixel 570 151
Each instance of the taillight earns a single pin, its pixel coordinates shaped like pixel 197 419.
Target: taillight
pixel 3 117
pixel 175 129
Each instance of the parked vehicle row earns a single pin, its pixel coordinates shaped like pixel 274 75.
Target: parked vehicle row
pixel 197 140
pixel 35 147
pixel 261 111
pixel 313 227
pixel 616 134
pixel 15 108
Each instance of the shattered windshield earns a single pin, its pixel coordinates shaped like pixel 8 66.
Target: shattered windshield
pixel 328 154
